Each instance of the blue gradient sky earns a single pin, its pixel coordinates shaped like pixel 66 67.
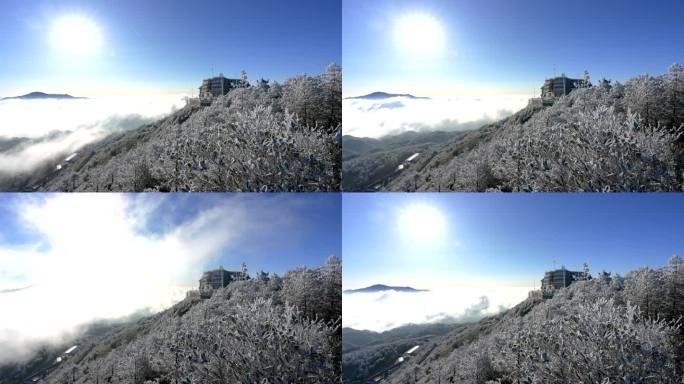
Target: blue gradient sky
pixel 496 46
pixel 507 238
pixel 167 46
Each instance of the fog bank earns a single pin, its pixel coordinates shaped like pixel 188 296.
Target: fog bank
pixel 377 118
pixel 35 131
pixel 382 311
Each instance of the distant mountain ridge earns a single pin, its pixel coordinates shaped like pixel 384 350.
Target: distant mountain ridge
pixel 382 287
pixel 385 95
pixel 10 290
pixel 43 95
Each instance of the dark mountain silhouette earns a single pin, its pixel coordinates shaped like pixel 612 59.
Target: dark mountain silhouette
pixel 10 290
pixel 42 95
pixel 385 95
pixel 382 287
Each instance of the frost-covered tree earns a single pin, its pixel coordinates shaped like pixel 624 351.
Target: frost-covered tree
pixel 332 82
pixel 674 94
pixel 674 280
pixel 243 79
pixel 642 288
pixel 644 95
pixel 302 95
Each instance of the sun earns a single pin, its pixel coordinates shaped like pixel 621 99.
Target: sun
pixel 419 34
pixel 76 35
pixel 422 222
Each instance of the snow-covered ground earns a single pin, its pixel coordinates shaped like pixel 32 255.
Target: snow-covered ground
pixel 409 159
pixel 68 351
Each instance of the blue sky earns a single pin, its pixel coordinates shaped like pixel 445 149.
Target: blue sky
pixel 165 46
pixel 496 46
pixel 505 238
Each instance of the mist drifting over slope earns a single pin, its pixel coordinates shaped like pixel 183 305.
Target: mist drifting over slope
pixel 35 131
pixel 392 116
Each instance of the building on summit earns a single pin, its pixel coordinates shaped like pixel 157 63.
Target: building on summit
pixel 556 87
pixel 561 278
pixel 217 86
pixel 219 278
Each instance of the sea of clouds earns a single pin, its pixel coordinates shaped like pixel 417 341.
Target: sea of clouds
pixel 392 116
pixel 382 311
pixel 35 131
pixel 85 257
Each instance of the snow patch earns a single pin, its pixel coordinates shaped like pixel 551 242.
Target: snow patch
pixel 412 349
pixel 413 156
pixel 74 347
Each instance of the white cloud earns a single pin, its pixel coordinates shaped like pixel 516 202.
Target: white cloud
pixel 93 262
pixel 382 311
pixel 377 118
pixel 54 128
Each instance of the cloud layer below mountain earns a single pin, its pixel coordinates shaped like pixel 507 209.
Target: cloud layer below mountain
pixel 35 131
pixel 377 118
pixel 382 311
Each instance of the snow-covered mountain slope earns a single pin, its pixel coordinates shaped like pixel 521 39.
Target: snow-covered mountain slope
pixel 267 137
pixel 368 164
pixel 276 330
pixel 605 138
pixel 605 330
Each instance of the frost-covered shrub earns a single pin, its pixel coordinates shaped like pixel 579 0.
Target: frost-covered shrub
pixel 596 342
pixel 596 151
pixel 258 343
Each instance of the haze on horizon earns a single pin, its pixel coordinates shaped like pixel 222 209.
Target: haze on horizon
pixel 148 48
